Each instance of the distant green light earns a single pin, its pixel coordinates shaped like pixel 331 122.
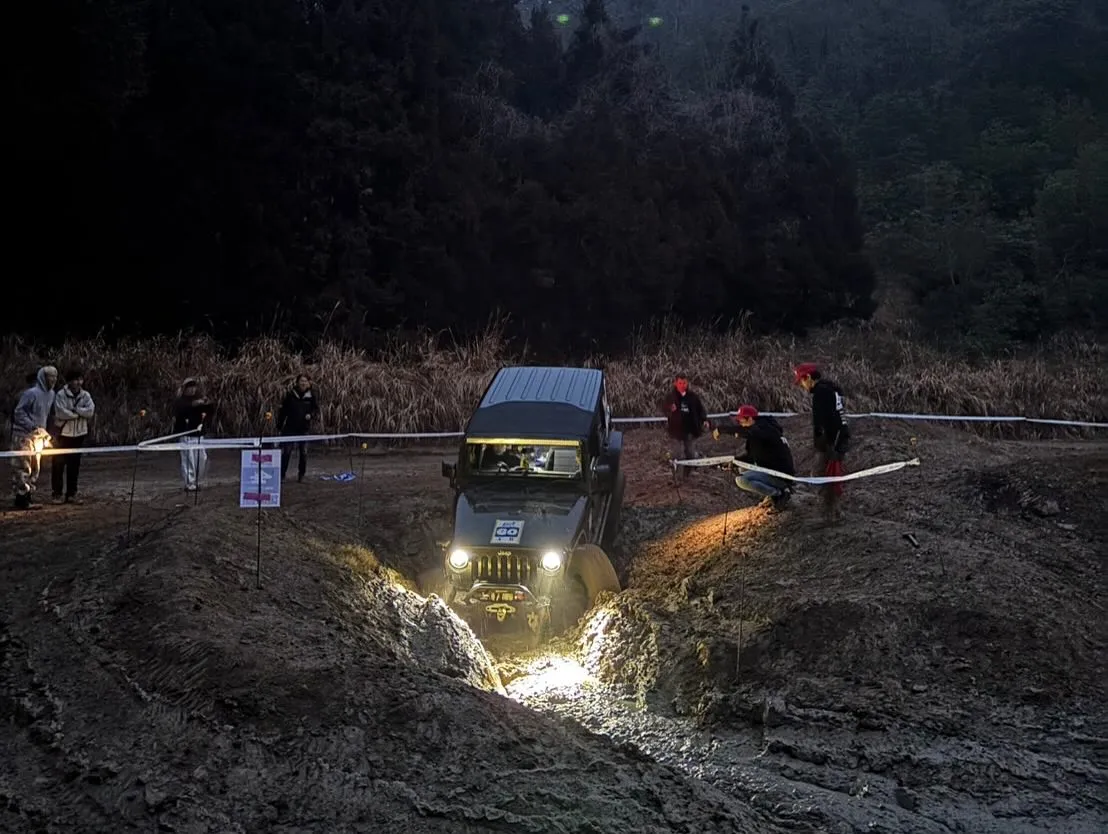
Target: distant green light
pixel 562 19
pixel 654 21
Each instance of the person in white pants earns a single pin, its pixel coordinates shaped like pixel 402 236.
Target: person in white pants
pixel 190 413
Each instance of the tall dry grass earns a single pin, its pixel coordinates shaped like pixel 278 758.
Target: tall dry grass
pixel 416 386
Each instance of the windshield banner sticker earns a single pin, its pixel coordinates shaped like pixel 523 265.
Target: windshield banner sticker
pixel 507 532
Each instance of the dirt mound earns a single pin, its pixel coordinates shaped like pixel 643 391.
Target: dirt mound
pixel 156 686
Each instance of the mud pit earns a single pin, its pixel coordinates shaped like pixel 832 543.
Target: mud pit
pixel 879 687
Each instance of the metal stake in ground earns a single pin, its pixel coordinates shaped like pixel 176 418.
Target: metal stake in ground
pixel 258 551
pixel 361 487
pixel 131 500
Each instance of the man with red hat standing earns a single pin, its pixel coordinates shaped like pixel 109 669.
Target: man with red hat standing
pixel 686 419
pixel 830 432
pixel 766 447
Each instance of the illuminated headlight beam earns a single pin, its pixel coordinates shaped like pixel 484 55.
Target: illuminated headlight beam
pixel 551 561
pixel 459 560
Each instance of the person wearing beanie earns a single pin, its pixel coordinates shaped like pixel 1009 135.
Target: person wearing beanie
pixel 73 408
pixel 299 413
pixel 830 432
pixel 767 447
pixel 28 434
pixel 686 419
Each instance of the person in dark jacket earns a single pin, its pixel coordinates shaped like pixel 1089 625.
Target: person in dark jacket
pixel 766 446
pixel 686 419
pixel 298 414
pixel 191 411
pixel 830 432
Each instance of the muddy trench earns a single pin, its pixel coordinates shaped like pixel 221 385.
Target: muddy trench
pixel 757 674
pixel 696 673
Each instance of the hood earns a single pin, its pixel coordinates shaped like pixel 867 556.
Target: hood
pixel 548 520
pixel 40 377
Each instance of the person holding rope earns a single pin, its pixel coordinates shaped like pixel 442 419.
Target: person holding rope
pixel 298 413
pixel 686 419
pixel 767 447
pixel 190 412
pixel 831 434
pixel 29 434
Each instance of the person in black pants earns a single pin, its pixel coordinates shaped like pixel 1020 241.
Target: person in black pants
pixel 299 412
pixel 73 409
pixel 686 420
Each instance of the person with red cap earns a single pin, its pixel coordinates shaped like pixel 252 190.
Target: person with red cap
pixel 830 431
pixel 767 447
pixel 686 419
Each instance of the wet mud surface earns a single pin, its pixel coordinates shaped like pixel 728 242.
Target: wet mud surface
pixel 761 673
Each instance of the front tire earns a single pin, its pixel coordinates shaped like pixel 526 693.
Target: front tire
pixel 434 581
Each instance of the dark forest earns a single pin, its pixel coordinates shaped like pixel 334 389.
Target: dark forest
pixel 338 168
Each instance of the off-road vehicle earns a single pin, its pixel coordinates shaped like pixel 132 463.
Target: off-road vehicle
pixel 538 493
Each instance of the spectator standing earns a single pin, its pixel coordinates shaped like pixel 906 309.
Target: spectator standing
pixel 29 435
pixel 686 419
pixel 298 414
pixel 73 409
pixel 190 413
pixel 830 433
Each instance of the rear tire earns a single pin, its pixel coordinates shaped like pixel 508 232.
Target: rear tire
pixel 615 514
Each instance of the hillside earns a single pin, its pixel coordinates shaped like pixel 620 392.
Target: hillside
pixel 871 686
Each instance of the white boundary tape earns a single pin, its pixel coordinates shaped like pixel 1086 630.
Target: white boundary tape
pixel 160 444
pixel 883 415
pixel 721 460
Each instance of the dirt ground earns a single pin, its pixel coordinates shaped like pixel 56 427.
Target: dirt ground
pixel 759 674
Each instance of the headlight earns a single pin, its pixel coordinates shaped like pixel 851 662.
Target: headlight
pixel 458 560
pixel 551 561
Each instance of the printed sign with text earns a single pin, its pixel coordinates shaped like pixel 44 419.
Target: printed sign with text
pixel 260 482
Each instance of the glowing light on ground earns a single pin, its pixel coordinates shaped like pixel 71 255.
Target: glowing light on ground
pixel 550 675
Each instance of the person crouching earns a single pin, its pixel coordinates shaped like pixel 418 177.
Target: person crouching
pixel 767 447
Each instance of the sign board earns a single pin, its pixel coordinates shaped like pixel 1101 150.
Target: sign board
pixel 260 486
pixel 507 532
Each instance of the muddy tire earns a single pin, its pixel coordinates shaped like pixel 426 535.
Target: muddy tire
pixel 615 515
pixel 592 567
pixel 568 607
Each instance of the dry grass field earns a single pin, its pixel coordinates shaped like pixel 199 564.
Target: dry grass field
pixel 421 386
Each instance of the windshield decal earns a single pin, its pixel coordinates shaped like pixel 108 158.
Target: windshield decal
pixel 507 532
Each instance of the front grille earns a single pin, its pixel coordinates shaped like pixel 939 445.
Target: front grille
pixel 504 566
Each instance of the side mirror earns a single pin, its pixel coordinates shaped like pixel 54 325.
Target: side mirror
pixel 449 470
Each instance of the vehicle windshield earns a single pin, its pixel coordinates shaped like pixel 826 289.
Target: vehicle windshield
pixel 525 458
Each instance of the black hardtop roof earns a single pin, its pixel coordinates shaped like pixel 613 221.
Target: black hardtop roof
pixel 538 402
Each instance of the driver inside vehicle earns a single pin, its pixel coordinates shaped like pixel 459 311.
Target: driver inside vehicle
pixel 501 458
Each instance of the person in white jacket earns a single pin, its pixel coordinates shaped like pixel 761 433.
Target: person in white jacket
pixel 29 435
pixel 73 408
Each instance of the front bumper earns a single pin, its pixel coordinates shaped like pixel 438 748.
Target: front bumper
pixel 501 601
